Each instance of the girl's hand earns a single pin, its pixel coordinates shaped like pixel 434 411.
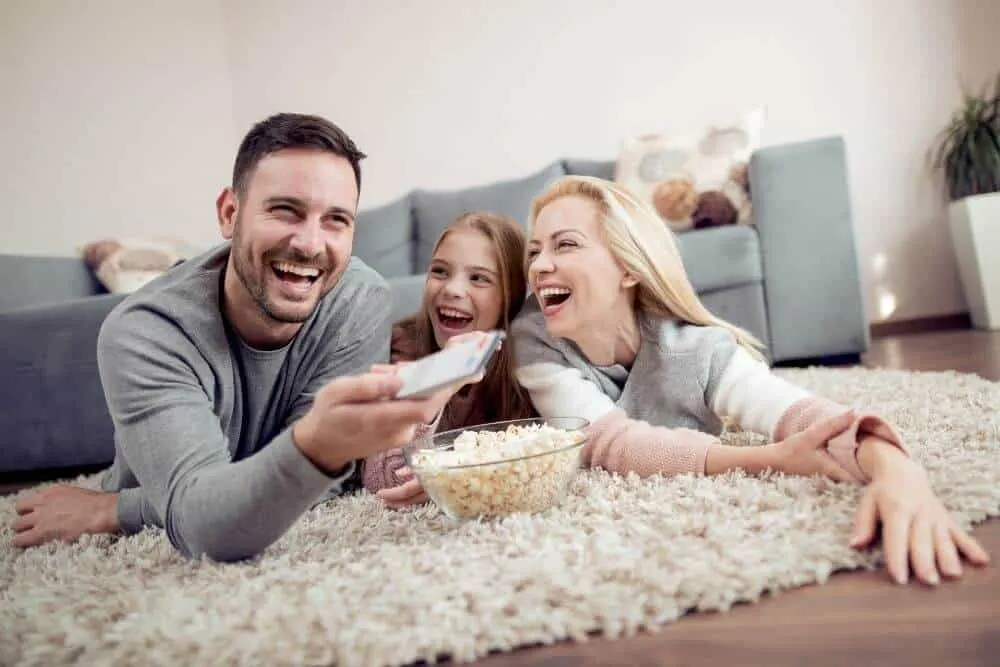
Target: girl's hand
pixel 409 492
pixel 916 528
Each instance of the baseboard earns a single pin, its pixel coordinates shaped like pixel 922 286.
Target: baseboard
pixel 921 325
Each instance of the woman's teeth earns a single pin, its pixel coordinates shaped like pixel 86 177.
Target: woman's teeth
pixel 553 295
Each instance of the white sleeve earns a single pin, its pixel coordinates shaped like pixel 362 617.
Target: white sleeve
pixel 562 391
pixel 752 395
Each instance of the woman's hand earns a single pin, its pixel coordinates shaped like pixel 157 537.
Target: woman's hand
pixel 916 528
pixel 805 452
pixel 409 492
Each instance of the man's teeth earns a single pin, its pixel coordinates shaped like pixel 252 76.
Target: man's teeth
pixel 305 271
pixel 546 292
pixel 448 312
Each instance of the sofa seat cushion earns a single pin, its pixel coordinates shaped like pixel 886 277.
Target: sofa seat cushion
pixel 383 238
pixel 436 209
pixel 721 257
pixel 54 414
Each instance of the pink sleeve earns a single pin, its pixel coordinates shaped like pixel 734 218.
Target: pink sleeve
pixel 844 448
pixel 380 469
pixel 621 445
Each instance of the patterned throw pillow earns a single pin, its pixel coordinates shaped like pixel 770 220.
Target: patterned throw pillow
pixel 123 266
pixel 696 180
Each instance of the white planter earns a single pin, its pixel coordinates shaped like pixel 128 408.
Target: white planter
pixel 975 232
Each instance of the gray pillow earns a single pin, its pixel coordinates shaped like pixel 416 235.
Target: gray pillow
pixel 597 168
pixel 383 238
pixel 407 293
pixel 436 209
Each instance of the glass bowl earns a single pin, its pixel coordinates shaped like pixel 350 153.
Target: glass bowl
pixel 529 475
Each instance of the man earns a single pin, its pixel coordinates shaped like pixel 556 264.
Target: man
pixel 237 381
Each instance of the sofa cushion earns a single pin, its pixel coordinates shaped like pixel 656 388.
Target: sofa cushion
pixel 407 293
pixel 383 238
pixel 54 414
pixel 436 209
pixel 597 168
pixel 721 257
pixel 34 280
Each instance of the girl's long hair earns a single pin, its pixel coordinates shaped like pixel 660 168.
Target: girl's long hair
pixel 499 396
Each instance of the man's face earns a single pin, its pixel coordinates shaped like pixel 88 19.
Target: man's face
pixel 292 231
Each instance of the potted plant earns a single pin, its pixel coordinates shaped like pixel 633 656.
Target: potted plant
pixel 968 153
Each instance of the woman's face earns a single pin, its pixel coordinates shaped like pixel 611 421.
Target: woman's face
pixel 572 272
pixel 462 291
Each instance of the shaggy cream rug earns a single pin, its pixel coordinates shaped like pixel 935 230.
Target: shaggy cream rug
pixel 354 584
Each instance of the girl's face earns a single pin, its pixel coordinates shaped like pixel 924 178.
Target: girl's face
pixel 462 291
pixel 576 279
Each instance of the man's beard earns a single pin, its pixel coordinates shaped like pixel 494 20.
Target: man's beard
pixel 256 283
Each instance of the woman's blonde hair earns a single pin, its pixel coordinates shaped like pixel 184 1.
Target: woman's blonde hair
pixel 646 249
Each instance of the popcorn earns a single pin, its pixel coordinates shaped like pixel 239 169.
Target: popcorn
pixel 496 473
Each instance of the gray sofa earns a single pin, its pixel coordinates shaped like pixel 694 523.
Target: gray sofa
pixel 792 279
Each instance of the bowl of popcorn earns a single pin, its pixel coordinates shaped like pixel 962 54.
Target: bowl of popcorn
pixel 499 469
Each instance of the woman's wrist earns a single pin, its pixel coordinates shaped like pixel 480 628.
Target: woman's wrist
pixel 877 456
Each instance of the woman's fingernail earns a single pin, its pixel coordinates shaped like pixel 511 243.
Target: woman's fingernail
pixel 934 579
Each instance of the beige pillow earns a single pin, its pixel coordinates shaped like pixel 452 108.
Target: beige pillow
pixel 123 266
pixel 693 180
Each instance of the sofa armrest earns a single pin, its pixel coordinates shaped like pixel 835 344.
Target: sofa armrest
pixel 52 408
pixel 812 284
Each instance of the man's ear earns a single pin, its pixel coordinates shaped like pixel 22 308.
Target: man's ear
pixel 226 208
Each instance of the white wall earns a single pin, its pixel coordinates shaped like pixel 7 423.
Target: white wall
pixel 115 120
pixel 448 93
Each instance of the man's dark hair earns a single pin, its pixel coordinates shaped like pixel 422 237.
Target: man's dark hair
pixel 290 130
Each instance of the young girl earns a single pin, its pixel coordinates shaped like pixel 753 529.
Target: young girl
pixel 475 282
pixel 615 333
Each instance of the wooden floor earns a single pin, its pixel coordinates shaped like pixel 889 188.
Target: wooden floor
pixel 855 618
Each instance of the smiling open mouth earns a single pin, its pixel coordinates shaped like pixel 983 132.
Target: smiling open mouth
pixel 296 275
pixel 553 296
pixel 451 318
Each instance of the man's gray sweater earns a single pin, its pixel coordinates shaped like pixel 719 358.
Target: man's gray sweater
pixel 203 444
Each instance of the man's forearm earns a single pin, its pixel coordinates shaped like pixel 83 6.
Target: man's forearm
pixel 235 511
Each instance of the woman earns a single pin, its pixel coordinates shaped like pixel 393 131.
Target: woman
pixel 615 333
pixel 475 282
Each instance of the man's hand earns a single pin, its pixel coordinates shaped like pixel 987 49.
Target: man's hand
pixel 805 453
pixel 480 336
pixel 354 417
pixel 65 513
pixel 916 528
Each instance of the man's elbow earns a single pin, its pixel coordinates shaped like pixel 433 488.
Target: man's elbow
pixel 214 538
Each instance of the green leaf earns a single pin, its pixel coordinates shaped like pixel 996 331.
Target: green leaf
pixel 967 149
